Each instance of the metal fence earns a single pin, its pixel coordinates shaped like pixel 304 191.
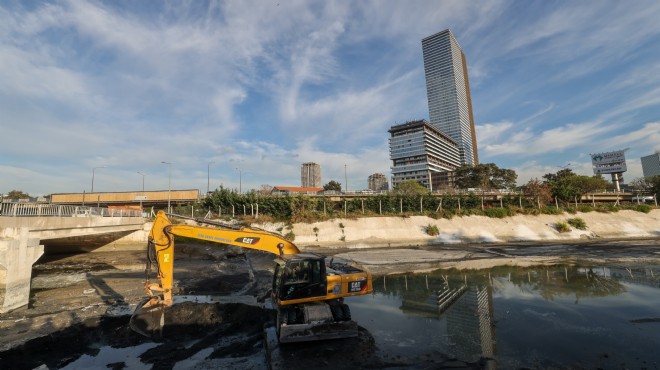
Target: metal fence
pixel 56 210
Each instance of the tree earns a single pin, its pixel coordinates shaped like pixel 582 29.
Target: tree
pixel 332 185
pixel 566 172
pixel 536 189
pixel 410 187
pixel 485 176
pixel 568 186
pixel 649 184
pixel 17 194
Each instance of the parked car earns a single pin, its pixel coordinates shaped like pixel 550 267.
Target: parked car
pixel 642 198
pixel 85 213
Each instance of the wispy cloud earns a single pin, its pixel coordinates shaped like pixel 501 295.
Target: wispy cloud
pixel 272 85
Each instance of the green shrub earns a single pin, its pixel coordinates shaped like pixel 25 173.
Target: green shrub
pixel 585 209
pixel 643 208
pixel 447 214
pixel 432 230
pixel 577 223
pixel 290 236
pixel 496 212
pixel 343 238
pixel 551 211
pixel 562 227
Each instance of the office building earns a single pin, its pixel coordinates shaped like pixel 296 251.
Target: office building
pixel 448 93
pixel 422 153
pixel 378 182
pixel 310 175
pixel 651 164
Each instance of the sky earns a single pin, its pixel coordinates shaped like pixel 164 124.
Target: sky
pixel 241 93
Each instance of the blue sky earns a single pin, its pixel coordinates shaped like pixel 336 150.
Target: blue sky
pixel 266 86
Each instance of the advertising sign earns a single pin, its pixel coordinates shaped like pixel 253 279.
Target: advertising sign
pixel 609 162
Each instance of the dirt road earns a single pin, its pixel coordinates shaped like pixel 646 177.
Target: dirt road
pixel 80 305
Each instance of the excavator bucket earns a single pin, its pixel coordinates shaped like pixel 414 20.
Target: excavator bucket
pixel 149 318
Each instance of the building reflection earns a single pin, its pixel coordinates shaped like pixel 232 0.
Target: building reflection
pixel 463 301
pixel 468 311
pixel 470 325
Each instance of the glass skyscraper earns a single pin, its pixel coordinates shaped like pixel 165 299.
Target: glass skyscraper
pixel 448 92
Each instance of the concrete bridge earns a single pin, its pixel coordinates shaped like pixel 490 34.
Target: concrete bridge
pixel 22 240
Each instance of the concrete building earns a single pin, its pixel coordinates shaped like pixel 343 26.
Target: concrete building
pixel 448 93
pixel 310 175
pixel 422 153
pixel 378 182
pixel 651 164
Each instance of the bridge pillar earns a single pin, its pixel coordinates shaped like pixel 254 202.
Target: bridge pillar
pixel 17 255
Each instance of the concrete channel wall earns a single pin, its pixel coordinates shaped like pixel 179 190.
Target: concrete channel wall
pixel 397 231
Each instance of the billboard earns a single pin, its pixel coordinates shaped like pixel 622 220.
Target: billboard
pixel 609 162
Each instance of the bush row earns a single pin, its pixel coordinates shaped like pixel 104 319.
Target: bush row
pixel 301 208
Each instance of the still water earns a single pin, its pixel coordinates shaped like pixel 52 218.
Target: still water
pixel 538 317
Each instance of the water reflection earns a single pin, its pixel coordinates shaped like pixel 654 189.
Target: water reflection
pixel 506 317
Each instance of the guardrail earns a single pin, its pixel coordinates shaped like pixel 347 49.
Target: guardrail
pixel 57 210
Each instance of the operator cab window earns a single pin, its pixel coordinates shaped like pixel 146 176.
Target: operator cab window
pixel 298 272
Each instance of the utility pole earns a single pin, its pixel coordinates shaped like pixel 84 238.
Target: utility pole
pixel 169 186
pixel 93 170
pixel 208 178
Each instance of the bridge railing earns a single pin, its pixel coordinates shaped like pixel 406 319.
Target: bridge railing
pixel 57 210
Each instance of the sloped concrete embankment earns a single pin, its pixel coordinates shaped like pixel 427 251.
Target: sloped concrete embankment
pixel 398 231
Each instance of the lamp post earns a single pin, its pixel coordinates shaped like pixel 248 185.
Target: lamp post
pixel 94 170
pixel 208 178
pixel 169 186
pixel 345 179
pixel 240 180
pixel 142 196
pixel 143 175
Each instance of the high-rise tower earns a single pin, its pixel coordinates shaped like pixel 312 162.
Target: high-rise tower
pixel 448 92
pixel 310 175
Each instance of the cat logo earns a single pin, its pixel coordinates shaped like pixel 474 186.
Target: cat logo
pixel 246 240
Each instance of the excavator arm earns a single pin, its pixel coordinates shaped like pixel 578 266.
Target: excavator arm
pixel 161 248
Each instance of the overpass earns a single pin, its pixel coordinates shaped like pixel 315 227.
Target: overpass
pixel 22 238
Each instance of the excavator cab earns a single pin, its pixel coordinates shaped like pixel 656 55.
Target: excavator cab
pixel 298 277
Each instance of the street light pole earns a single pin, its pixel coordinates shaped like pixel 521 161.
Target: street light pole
pixel 143 175
pixel 142 196
pixel 345 179
pixel 240 180
pixel 208 178
pixel 94 170
pixel 169 186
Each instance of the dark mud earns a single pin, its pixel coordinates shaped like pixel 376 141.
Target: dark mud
pixel 189 329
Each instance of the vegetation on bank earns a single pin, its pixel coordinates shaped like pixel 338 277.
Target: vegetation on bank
pixel 226 203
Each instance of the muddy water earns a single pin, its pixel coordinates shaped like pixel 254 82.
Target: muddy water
pixel 536 317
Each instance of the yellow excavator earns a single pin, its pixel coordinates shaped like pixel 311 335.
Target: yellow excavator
pixel 308 289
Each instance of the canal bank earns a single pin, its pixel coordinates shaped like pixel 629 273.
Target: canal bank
pixel 402 231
